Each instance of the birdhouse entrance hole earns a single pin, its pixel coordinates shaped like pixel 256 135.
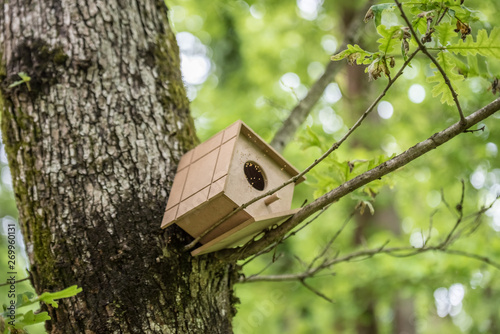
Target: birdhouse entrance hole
pixel 255 175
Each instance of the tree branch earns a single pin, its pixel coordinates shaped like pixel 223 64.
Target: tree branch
pixel 18 281
pixel 381 170
pixel 334 147
pixel 312 271
pixel 366 254
pixel 299 114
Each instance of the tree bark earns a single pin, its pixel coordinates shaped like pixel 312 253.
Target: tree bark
pixel 93 142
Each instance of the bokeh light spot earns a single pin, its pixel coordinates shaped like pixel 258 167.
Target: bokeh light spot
pixel 385 109
pixel 433 198
pixel 329 44
pixel 332 93
pixel 309 9
pixel 416 93
pixel 289 81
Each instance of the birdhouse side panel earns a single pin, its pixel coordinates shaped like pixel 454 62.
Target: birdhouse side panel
pixel 250 166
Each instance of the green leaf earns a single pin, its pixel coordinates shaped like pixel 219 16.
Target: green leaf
pixel 390 38
pixel 24 298
pixel 17 83
pixel 25 79
pixel 50 297
pixel 24 76
pixel 340 170
pixel 445 34
pixel 376 11
pixel 311 139
pixel 420 25
pixel 488 46
pixel 30 318
pixel 354 53
pixel 473 68
pixel 462 12
pixel 440 87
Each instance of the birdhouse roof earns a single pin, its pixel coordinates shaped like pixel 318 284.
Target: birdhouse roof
pixel 230 132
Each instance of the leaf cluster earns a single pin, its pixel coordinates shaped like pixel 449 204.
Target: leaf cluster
pixel 443 28
pixel 28 318
pixel 335 172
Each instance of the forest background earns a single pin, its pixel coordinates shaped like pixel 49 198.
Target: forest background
pixel 254 61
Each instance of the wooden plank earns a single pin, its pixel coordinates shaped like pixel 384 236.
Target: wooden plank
pixel 200 174
pixel 243 232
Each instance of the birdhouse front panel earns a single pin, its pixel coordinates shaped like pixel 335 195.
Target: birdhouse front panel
pixel 219 175
pixel 252 173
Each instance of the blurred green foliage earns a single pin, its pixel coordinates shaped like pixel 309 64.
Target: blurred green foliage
pixel 254 60
pixel 263 57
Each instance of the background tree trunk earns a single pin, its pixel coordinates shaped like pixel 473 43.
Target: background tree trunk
pixel 93 143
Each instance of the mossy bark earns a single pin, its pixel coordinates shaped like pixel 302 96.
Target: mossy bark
pixel 93 143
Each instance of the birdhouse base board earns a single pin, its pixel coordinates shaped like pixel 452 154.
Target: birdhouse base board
pixel 242 233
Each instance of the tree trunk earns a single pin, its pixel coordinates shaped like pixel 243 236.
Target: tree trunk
pixel 93 142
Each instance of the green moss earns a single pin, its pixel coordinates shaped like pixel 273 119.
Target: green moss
pixel 11 146
pixel 167 61
pixel 165 54
pixel 39 61
pixel 2 77
pixel 13 126
pixel 45 260
pixel 59 56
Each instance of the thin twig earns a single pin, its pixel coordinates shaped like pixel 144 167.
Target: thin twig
pixel 332 240
pixel 315 291
pixel 274 245
pixel 474 256
pixel 267 266
pixel 460 217
pixel 299 260
pixel 422 47
pixel 307 223
pixel 18 281
pixel 443 199
pixel 477 130
pixel 264 251
pixel 442 16
pixel 431 219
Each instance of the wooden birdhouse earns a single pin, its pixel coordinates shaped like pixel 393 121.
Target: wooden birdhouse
pixel 221 174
